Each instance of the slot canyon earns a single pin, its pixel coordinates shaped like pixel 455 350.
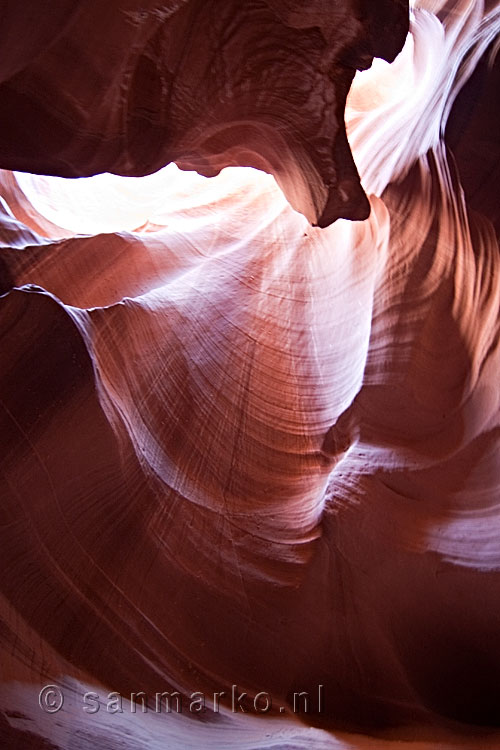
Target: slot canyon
pixel 250 375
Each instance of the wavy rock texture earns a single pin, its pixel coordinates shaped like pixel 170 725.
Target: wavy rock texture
pixel 237 448
pixel 207 84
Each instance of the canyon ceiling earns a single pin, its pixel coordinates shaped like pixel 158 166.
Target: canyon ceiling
pixel 249 385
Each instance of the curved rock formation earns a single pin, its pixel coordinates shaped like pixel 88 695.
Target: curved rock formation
pixel 206 84
pixel 238 449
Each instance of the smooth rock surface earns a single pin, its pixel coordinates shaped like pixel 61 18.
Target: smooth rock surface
pixel 238 449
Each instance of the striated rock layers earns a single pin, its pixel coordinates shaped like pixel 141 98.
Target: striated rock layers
pixel 132 86
pixel 238 449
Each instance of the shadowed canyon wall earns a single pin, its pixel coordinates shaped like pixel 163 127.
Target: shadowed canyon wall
pixel 249 387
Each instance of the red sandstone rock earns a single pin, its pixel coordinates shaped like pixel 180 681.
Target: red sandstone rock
pixel 238 449
pixel 131 86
